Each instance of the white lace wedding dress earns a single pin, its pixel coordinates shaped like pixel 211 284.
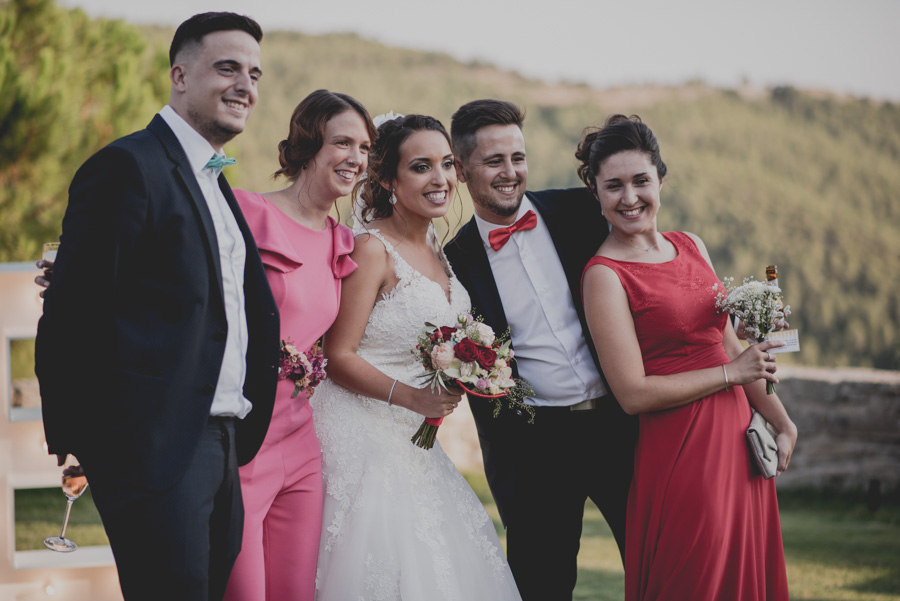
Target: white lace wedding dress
pixel 400 522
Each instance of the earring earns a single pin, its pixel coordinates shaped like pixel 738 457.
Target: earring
pixel 393 198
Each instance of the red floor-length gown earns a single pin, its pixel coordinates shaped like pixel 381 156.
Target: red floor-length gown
pixel 702 524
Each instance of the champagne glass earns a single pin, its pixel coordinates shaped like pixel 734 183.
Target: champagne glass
pixel 74 483
pixel 50 250
pixel 47 256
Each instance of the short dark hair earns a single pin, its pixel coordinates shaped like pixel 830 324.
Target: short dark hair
pixel 618 134
pixel 472 116
pixel 192 31
pixel 384 160
pixel 306 134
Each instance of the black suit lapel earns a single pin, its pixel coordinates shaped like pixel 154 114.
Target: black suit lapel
pixel 249 241
pixel 577 229
pixel 185 175
pixel 562 241
pixel 473 269
pixel 235 209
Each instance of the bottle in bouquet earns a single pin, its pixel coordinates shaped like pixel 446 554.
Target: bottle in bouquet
pixel 772 275
pixel 772 280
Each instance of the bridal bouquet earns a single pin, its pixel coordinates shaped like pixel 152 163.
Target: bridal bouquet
pixel 305 369
pixel 469 355
pixel 757 304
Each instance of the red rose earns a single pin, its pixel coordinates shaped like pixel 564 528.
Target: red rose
pixel 486 356
pixel 466 350
pixel 447 332
pixel 469 352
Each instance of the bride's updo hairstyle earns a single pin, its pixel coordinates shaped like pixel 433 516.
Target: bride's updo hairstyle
pixel 618 134
pixel 375 188
pixel 307 130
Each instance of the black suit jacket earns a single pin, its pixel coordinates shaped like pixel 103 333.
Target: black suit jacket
pixel 577 228
pixel 130 345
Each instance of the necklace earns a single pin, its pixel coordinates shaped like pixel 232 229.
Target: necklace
pixel 648 249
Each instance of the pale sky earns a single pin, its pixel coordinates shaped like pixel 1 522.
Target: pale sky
pixel 842 46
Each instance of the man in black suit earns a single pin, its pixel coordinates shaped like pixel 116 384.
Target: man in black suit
pixel 159 330
pixel 521 258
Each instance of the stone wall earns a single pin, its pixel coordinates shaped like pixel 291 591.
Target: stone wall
pixel 849 423
pixel 848 418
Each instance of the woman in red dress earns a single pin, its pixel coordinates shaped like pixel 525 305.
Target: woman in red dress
pixel 701 523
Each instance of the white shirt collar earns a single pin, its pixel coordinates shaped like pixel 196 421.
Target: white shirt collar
pixel 196 147
pixel 486 227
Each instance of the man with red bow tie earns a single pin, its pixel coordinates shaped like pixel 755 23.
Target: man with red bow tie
pixel 521 258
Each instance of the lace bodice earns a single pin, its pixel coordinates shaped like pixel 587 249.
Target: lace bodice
pixel 398 316
pixel 400 522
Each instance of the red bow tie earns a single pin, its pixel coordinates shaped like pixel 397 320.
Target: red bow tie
pixel 500 236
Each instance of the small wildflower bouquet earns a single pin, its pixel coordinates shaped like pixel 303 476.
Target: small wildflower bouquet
pixel 757 304
pixel 305 369
pixel 469 355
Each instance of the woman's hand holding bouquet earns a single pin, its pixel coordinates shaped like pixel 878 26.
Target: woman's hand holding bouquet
pixel 468 355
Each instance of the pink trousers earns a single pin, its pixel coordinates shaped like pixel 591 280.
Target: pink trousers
pixel 282 492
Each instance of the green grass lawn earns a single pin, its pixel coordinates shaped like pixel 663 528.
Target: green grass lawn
pixel 836 549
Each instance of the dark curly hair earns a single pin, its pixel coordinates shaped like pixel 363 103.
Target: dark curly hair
pixel 618 134
pixel 384 159
pixel 307 129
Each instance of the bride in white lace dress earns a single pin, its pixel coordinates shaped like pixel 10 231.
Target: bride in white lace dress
pixel 400 522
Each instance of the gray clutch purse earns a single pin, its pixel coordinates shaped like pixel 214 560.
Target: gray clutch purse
pixel 763 450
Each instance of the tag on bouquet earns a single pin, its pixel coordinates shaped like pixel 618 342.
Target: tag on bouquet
pixel 791 339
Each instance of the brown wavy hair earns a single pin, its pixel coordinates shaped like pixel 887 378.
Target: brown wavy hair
pixel 307 129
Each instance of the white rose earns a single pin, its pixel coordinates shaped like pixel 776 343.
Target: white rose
pixel 442 355
pixel 481 333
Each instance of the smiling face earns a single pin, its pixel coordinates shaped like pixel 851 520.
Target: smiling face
pixel 496 173
pixel 627 186
pixel 343 157
pixel 214 84
pixel 426 176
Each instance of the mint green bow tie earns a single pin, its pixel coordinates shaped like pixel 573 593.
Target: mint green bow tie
pixel 217 163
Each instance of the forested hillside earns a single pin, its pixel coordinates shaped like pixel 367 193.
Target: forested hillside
pixel 802 179
pixel 69 85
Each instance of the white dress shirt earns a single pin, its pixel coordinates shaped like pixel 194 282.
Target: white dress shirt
pixel 229 396
pixel 550 350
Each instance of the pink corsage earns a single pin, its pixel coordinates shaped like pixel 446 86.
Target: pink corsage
pixel 305 369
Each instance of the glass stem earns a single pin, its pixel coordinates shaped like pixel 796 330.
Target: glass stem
pixel 66 519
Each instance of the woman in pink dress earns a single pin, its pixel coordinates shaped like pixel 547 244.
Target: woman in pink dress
pixel 701 524
pixel 306 254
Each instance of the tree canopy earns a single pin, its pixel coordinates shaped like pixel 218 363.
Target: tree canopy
pixel 805 180
pixel 70 85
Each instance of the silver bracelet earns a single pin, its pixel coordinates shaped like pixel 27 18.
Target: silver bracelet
pixel 391 393
pixel 726 376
